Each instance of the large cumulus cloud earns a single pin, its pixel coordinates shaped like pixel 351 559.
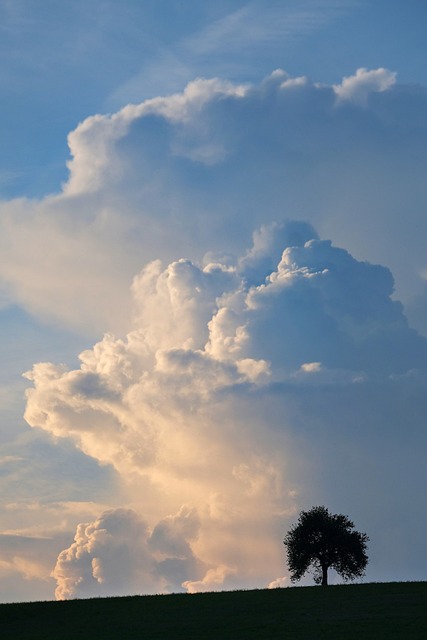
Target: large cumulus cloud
pixel 199 170
pixel 246 386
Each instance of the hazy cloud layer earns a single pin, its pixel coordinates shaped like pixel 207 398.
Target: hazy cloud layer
pixel 33 534
pixel 247 388
pixel 199 170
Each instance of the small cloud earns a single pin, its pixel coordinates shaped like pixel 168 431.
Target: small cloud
pixel 357 88
pixel 5 460
pixel 279 583
pixel 311 367
pixel 212 581
pixel 292 83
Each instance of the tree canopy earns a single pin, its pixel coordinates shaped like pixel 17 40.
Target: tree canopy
pixel 320 541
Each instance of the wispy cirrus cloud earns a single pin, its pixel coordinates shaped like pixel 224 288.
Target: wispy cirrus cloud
pixel 228 45
pixel 257 24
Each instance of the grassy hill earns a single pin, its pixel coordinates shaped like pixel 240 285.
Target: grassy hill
pixel 377 611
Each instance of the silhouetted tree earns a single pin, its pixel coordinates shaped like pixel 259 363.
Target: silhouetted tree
pixel 322 540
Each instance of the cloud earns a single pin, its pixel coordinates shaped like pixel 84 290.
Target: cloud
pixel 417 310
pixel 199 170
pixel 233 44
pixel 279 582
pixel 117 555
pixel 17 555
pixel 94 141
pixel 237 383
pixel 33 534
pixel 254 25
pixel 26 563
pixel 357 88
pixel 239 394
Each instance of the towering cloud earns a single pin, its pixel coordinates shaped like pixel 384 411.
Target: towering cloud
pixel 245 387
pixel 199 170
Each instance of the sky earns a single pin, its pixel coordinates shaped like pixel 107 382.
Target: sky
pixel 213 289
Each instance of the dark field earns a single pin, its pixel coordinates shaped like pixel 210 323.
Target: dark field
pixel 389 610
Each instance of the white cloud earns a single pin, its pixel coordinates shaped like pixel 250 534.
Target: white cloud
pixel 213 580
pixel 357 88
pixel 216 407
pixel 311 367
pixel 244 381
pixel 114 543
pixel 92 144
pixel 117 555
pixel 294 82
pixel 279 582
pixel 179 175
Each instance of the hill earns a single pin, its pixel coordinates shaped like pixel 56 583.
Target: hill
pixel 377 611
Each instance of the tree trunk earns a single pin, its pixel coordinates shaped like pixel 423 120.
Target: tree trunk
pixel 324 576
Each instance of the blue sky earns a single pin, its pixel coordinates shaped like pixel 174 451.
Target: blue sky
pixel 213 276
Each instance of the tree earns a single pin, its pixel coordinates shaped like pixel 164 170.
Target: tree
pixel 321 541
